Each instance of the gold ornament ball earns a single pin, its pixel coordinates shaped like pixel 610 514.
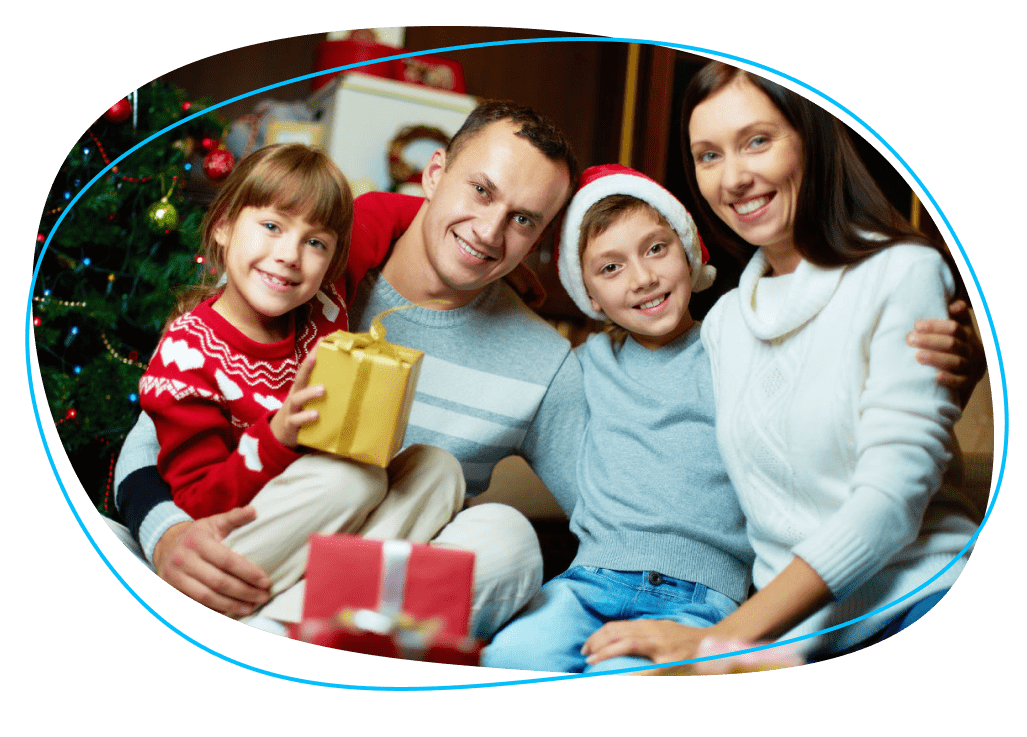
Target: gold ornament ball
pixel 162 215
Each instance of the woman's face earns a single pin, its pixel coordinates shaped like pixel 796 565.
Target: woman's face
pixel 748 163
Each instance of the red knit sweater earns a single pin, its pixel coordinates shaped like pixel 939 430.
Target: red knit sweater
pixel 211 392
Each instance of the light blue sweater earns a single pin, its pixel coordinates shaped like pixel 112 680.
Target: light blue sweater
pixel 654 493
pixel 496 380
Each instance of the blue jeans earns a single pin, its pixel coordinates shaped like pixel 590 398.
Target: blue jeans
pixel 550 633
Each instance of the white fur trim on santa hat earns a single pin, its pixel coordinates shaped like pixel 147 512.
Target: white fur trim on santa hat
pixel 645 189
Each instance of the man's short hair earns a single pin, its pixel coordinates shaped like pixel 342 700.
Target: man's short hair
pixel 536 128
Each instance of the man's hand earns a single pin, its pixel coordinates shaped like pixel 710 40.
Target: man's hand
pixel 953 347
pixel 191 557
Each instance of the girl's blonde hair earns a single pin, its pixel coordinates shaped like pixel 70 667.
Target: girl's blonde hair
pixel 291 177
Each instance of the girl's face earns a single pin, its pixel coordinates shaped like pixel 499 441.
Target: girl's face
pixel 748 163
pixel 275 261
pixel 636 273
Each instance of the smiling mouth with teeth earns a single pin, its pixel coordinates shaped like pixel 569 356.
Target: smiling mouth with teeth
pixel 470 251
pixel 745 208
pixel 277 279
pixel 653 302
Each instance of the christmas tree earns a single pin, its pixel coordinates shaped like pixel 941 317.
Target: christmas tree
pixel 108 276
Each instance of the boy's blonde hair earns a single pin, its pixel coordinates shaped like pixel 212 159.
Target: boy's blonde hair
pixel 291 177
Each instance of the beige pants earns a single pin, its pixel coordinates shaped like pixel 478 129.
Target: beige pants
pixel 425 492
pixel 320 493
pixel 412 499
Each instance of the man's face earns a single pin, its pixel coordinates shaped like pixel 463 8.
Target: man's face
pixel 489 207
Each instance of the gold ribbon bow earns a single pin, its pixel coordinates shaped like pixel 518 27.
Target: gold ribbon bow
pixel 366 348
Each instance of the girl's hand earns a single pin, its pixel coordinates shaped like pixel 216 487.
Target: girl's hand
pixel 291 416
pixel 660 640
pixel 953 347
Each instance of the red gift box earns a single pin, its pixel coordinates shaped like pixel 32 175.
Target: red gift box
pixel 424 582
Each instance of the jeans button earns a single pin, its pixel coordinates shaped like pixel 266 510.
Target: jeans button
pixel 655 578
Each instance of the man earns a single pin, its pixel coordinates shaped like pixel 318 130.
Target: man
pixel 496 380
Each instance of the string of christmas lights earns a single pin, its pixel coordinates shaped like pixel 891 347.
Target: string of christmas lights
pixel 132 356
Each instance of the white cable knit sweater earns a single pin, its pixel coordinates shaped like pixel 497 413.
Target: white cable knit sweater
pixel 834 437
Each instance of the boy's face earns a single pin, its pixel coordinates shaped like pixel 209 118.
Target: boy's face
pixel 636 273
pixel 487 207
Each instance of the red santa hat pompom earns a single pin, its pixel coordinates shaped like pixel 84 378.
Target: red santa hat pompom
pixel 599 182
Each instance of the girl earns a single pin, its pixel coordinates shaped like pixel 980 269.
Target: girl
pixel 227 385
pixel 834 437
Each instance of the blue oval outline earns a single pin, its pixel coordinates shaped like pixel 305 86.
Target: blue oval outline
pixel 442 50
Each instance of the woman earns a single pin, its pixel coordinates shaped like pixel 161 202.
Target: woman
pixel 835 441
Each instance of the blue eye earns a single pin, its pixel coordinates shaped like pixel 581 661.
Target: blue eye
pixel 522 220
pixel 705 157
pixel 271 226
pixel 758 141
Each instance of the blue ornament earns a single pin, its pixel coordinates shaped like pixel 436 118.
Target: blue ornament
pixel 67 195
pixel 85 150
pixel 188 167
pixel 74 330
pixel 133 397
pixel 77 370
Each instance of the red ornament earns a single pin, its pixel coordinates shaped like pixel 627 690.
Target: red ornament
pixel 119 111
pixel 40 238
pixel 37 321
pixel 208 143
pixel 70 415
pixel 218 164
pixel 186 105
pixel 133 356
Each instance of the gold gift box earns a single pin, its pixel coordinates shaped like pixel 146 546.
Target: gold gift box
pixel 370 387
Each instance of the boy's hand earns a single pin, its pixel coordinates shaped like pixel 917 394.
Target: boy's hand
pixel 291 416
pixel 954 348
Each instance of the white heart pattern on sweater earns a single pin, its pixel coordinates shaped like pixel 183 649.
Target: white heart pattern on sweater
pixel 248 450
pixel 178 351
pixel 229 389
pixel 267 402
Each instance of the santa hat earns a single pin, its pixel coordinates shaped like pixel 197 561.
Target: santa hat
pixel 599 182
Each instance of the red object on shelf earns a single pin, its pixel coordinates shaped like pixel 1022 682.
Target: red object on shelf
pixel 430 71
pixel 331 54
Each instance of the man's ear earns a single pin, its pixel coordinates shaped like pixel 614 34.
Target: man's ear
pixel 433 172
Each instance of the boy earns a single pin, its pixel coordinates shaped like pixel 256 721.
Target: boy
pixel 661 533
